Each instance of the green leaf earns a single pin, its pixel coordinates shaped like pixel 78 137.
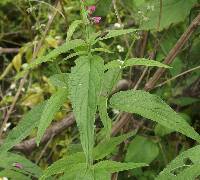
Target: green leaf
pixel 190 173
pixel 110 79
pixel 113 166
pixel 7 161
pixel 13 175
pixel 173 12
pixel 143 62
pixel 72 29
pixel 85 85
pixel 77 172
pixel 115 64
pixel 64 164
pixel 60 80
pixel 106 147
pixel 184 166
pixel 115 33
pixel 52 106
pixel 53 54
pixel 142 150
pixel 107 122
pixel 24 128
pixel 152 107
pixel 134 62
pixel 17 61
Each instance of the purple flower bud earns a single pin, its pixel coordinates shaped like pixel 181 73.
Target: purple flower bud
pixel 96 19
pixel 18 165
pixel 91 9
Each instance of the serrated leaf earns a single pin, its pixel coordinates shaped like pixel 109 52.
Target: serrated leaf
pixel 52 106
pixel 106 147
pixel 17 62
pixel 13 175
pixel 152 107
pixel 142 150
pixel 60 80
pixel 134 62
pixel 77 172
pixel 99 171
pixel 85 85
pixel 63 165
pixel 184 166
pixel 72 29
pixel 53 54
pixel 114 166
pixel 7 161
pixel 143 62
pixel 23 129
pixel 115 33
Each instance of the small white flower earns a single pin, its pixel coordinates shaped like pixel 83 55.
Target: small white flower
pixel 13 85
pixel 120 48
pixel 122 62
pixel 23 90
pixel 4 178
pixel 6 126
pixel 117 25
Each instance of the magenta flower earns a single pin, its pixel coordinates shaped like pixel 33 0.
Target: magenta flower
pixel 91 9
pixel 18 165
pixel 96 19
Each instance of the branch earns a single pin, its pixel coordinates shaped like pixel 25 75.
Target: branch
pixel 8 50
pixel 173 53
pixel 29 145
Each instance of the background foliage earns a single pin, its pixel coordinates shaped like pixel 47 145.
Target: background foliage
pixel 161 23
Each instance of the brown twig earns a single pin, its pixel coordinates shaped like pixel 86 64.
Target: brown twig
pixel 58 127
pixel 177 76
pixel 8 50
pixel 173 53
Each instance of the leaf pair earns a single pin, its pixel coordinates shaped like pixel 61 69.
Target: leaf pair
pixel 75 167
